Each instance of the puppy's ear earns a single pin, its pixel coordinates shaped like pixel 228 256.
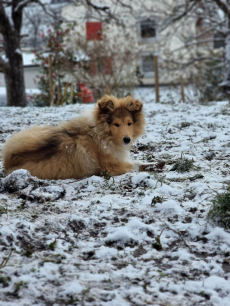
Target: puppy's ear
pixel 134 105
pixel 106 104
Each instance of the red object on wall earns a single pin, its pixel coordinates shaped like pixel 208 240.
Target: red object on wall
pixel 85 94
pixel 93 30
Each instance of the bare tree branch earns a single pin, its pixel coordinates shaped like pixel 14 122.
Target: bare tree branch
pixel 5 25
pixel 103 8
pixel 223 6
pixel 22 4
pixel 191 61
pixel 103 11
pixel 124 5
pixel 174 17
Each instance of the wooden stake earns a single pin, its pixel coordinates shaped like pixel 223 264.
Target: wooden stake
pixel 65 92
pixel 107 89
pixel 51 79
pixel 59 95
pixel 71 93
pixel 156 78
pixel 54 96
pixel 182 88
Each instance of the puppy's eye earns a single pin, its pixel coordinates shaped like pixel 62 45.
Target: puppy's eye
pixel 129 123
pixel 116 124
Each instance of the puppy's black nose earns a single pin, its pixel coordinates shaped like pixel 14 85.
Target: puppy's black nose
pixel 126 140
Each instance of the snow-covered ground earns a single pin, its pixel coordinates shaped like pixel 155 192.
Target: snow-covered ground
pixel 92 241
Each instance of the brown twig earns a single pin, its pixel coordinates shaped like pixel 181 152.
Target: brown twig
pixel 5 260
pixel 178 233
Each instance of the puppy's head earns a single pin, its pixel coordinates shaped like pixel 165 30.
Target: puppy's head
pixel 124 119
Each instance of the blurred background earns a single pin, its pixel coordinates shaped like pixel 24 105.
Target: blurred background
pixel 56 52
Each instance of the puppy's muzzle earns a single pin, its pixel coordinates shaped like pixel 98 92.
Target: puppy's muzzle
pixel 126 140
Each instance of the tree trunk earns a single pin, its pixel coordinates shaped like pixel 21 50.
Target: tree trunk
pixel 10 28
pixel 226 81
pixel 227 61
pixel 14 74
pixel 14 79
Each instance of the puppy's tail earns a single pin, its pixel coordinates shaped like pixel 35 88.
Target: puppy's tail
pixel 25 146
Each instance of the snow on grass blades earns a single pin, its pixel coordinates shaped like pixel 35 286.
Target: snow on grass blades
pixel 220 209
pixel 96 244
pixel 183 165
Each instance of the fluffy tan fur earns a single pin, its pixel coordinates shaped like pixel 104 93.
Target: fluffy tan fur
pixel 81 147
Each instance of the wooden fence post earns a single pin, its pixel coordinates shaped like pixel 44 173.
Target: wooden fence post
pixel 107 90
pixel 71 93
pixel 182 88
pixel 65 92
pixel 59 95
pixel 51 80
pixel 156 78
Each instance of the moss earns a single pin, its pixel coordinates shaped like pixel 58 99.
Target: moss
pixel 205 295
pixel 157 244
pixel 17 286
pixel 3 210
pixel 29 251
pixel 157 199
pixel 220 210
pixel 184 125
pixel 52 245
pixel 4 280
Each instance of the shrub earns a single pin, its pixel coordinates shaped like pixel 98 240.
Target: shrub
pixel 54 44
pixel 207 80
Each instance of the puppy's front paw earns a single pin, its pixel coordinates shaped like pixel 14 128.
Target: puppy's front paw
pixel 153 167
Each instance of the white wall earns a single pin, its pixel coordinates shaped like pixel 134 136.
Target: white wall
pixel 30 74
pixel 166 40
pixel 2 80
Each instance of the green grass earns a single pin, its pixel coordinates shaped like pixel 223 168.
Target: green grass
pixel 17 286
pixel 184 125
pixel 52 245
pixel 183 165
pixel 4 280
pixel 3 210
pixel 220 210
pixel 157 199
pixel 157 244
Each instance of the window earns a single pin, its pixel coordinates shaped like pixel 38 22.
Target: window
pixel 148 30
pixel 93 30
pixel 218 40
pixel 204 34
pixel 147 65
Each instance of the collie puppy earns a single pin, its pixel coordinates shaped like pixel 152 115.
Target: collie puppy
pixel 85 146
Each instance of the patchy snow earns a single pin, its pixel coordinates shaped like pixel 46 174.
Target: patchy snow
pixel 28 57
pixel 91 241
pixel 18 51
